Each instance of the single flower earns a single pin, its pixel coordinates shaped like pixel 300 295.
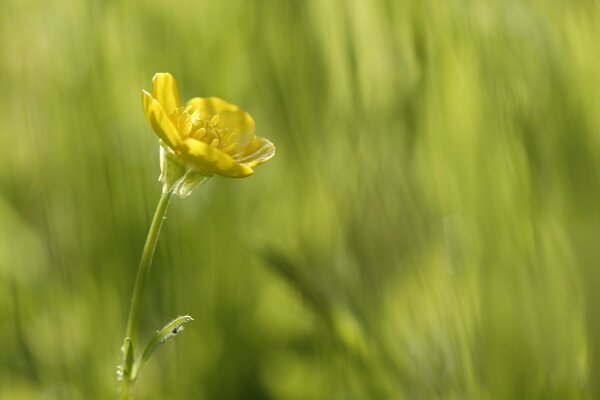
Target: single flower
pixel 201 138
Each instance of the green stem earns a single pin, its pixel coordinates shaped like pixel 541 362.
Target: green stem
pixel 127 383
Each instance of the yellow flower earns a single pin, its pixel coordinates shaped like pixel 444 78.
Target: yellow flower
pixel 204 137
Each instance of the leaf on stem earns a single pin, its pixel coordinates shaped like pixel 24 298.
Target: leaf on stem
pixel 167 332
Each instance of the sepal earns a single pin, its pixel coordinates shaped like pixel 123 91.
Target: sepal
pixel 172 170
pixel 176 176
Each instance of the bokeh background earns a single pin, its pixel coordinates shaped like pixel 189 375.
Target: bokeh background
pixel 429 227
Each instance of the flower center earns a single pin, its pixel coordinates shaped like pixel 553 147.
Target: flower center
pixel 190 125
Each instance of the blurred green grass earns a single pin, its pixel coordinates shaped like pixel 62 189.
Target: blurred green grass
pixel 428 227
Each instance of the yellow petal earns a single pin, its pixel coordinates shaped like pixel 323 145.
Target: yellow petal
pixel 211 160
pixel 258 152
pixel 160 121
pixel 164 90
pixel 237 122
pixel 209 106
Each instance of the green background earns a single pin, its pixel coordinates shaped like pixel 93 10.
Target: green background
pixel 428 229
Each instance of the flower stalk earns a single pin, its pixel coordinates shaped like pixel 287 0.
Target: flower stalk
pixel 198 139
pixel 127 386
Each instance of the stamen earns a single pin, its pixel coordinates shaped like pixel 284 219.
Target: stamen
pixel 187 128
pixel 228 148
pixel 214 121
pixel 180 117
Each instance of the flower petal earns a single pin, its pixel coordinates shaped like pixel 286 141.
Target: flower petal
pixel 209 106
pixel 258 152
pixel 211 160
pixel 159 120
pixel 164 90
pixel 240 125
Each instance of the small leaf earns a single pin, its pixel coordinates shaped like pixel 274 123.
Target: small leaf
pixel 160 337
